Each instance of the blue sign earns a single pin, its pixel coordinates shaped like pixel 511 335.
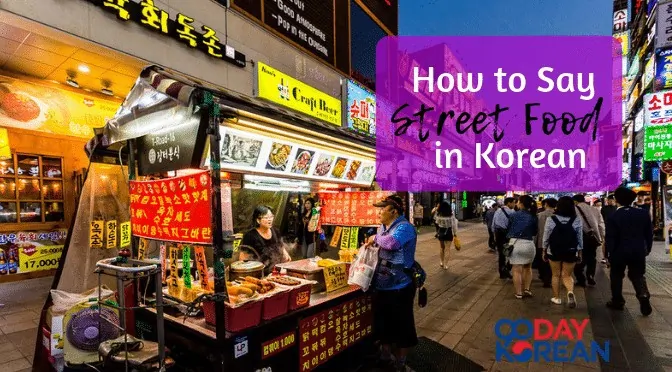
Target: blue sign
pixel 650 5
pixel 361 109
pixel 664 69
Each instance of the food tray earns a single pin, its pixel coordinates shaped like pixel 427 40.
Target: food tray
pixel 275 303
pixel 299 295
pixel 237 319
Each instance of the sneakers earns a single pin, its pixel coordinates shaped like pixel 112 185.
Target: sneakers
pixel 527 293
pixel 571 300
pixel 556 301
pixel 645 306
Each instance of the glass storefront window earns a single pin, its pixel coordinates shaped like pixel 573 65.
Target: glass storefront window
pixel 29 189
pixel 7 212
pixel 54 212
pixel 28 165
pixel 7 188
pixel 31 212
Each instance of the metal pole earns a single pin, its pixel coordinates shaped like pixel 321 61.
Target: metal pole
pixel 160 334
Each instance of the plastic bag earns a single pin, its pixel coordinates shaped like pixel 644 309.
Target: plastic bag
pixel 364 267
pixel 63 300
pixel 457 242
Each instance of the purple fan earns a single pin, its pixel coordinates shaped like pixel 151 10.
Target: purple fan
pixel 87 329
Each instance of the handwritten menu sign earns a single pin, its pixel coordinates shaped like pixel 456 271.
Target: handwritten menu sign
pixel 162 257
pixel 173 209
pixel 178 147
pixel 96 234
pixel 351 208
pixel 186 265
pixel 125 228
pixel 345 238
pixel 354 238
pixel 326 334
pixel 111 234
pixel 336 237
pixel 173 254
pixel 335 277
pixel 142 249
pixel 202 267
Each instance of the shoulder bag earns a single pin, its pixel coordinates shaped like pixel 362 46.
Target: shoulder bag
pixel 591 237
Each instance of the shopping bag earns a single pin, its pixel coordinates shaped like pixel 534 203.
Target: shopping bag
pixel 364 267
pixel 458 244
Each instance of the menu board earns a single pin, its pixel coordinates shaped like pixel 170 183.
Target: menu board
pixel 326 334
pixel 242 151
pixel 351 208
pixel 28 251
pixel 174 209
pixel 178 147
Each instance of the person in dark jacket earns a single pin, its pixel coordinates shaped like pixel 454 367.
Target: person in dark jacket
pixel 629 238
pixel 607 210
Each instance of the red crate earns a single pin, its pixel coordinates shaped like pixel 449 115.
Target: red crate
pixel 275 306
pixel 299 297
pixel 237 319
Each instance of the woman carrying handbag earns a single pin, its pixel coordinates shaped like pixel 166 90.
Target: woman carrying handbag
pixel 447 223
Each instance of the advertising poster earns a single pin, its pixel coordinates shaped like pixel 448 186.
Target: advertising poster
pixel 361 109
pixel 36 105
pixel 339 168
pixel 304 159
pixel 29 251
pixel 351 208
pixel 279 156
pixel 663 74
pixel 323 165
pixel 173 209
pixel 240 150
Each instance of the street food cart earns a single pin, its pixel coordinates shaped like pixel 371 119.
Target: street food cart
pixel 198 159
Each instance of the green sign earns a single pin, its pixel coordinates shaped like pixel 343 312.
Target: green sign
pixel 658 143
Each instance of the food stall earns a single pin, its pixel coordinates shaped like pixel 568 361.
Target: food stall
pixel 199 159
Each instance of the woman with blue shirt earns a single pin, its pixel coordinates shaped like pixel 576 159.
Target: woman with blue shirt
pixel 562 254
pixel 522 230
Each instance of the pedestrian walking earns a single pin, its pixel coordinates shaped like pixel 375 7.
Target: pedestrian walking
pixel 394 323
pixel 606 212
pixel 435 210
pixel 543 266
pixel 522 230
pixel 629 238
pixel 488 219
pixel 593 236
pixel 500 226
pixel 562 239
pixel 447 222
pixel 418 214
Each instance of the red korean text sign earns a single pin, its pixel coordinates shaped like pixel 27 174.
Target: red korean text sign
pixel 326 334
pixel 174 209
pixel 351 208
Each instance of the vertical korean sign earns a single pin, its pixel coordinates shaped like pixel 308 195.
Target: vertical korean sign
pixel 360 109
pixel 173 209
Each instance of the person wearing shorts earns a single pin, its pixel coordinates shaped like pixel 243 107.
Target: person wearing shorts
pixel 394 290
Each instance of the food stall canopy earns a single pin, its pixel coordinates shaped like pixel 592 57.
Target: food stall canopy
pixel 161 99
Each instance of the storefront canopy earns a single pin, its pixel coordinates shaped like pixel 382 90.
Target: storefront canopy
pixel 161 99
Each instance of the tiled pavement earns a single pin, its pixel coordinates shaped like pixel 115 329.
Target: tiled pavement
pixel 464 304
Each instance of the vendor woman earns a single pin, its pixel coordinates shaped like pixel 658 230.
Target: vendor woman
pixel 265 239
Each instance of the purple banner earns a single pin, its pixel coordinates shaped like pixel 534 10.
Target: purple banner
pixel 498 113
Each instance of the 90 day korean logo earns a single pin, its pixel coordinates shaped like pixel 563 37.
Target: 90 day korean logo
pixel 541 340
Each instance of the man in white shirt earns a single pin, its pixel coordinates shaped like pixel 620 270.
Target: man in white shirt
pixel 500 226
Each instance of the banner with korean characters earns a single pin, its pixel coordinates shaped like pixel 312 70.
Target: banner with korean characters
pixel 351 208
pixel 663 75
pixel 326 334
pixel 173 209
pixel 108 234
pixel 658 143
pixel 28 251
pixel 658 108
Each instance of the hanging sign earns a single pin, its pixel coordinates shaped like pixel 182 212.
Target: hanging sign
pixel 284 90
pixel 142 248
pixel 354 238
pixel 658 143
pixel 162 257
pixel 111 234
pixel 663 76
pixel 326 334
pixel 345 239
pixel 658 108
pixel 620 20
pixel 178 147
pixel 125 229
pixel 648 73
pixel 96 234
pixel 186 265
pixel 360 109
pixel 664 25
pixel 351 208
pixel 337 236
pixel 148 14
pixel 202 267
pixel 174 209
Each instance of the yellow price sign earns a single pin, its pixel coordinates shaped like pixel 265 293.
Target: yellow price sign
pixel 335 277
pixel 125 228
pixel 354 238
pixel 96 234
pixel 33 258
pixel 337 235
pixel 111 234
pixel 345 240
pixel 236 244
pixel 202 267
pixel 142 249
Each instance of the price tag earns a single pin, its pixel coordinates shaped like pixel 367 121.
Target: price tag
pixel 142 249
pixel 354 238
pixel 125 228
pixel 96 234
pixel 337 235
pixel 236 244
pixel 202 267
pixel 32 258
pixel 278 344
pixel 335 277
pixel 345 240
pixel 186 265
pixel 111 234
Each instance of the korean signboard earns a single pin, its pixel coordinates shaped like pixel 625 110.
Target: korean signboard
pixel 28 251
pixel 316 26
pixel 658 143
pixel 326 334
pixel 620 20
pixel 173 209
pixel 639 120
pixel 360 109
pixel 664 25
pixel 178 147
pixel 649 73
pixel 335 276
pixel 284 90
pixel 658 108
pixel 244 151
pixel 663 74
pixel 149 15
pixel 351 208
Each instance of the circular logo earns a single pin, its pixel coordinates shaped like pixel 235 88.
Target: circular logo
pixel 515 335
pixel 152 156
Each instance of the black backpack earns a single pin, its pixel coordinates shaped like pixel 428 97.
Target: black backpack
pixel 563 240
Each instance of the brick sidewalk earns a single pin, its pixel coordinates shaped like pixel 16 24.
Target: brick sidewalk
pixel 467 300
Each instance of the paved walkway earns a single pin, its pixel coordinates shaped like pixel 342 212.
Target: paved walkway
pixel 465 302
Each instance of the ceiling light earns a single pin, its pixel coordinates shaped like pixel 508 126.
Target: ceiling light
pixel 71 82
pixel 84 68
